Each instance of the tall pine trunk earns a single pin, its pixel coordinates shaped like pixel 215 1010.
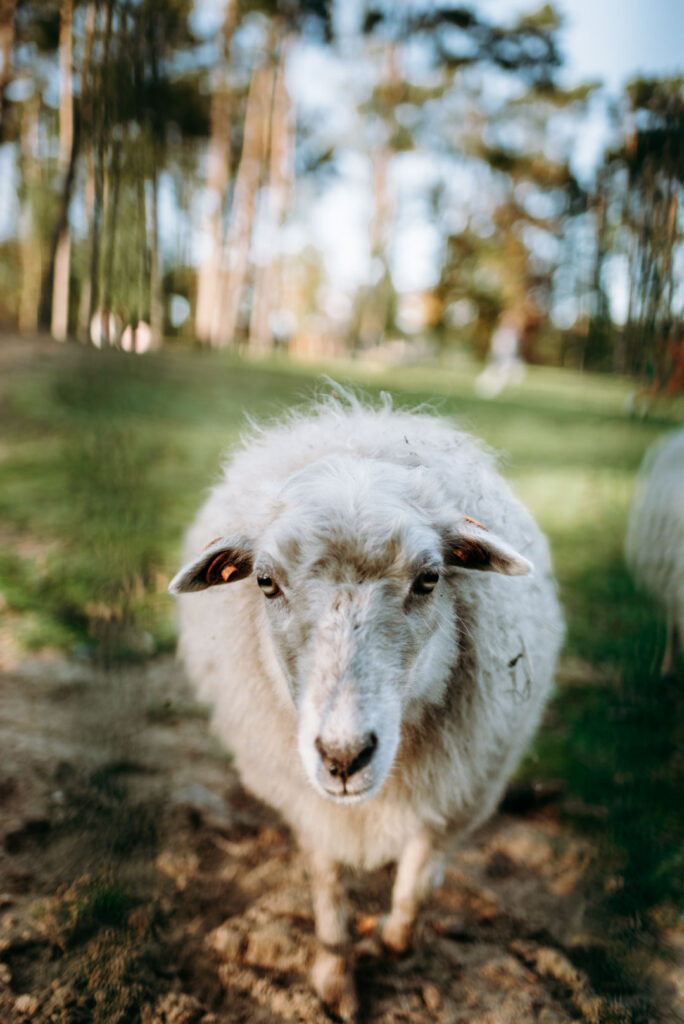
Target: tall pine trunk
pixel 218 176
pixel 155 123
pixel 30 250
pixel 376 299
pixel 86 107
pixel 7 9
pixel 100 130
pixel 236 253
pixel 266 296
pixel 156 294
pixel 59 320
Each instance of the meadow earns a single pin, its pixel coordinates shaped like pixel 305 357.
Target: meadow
pixel 105 457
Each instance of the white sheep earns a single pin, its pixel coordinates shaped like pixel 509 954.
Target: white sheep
pixel 655 536
pixel 383 658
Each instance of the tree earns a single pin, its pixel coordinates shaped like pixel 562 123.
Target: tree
pixel 7 12
pixel 218 176
pixel 68 148
pixel 642 182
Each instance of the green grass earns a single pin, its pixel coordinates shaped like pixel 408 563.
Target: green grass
pixel 105 459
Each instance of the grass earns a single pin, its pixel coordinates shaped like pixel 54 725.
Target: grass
pixel 105 458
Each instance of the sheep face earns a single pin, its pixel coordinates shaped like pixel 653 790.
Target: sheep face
pixel 350 647
pixel 357 574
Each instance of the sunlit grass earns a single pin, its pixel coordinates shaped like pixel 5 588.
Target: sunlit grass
pixel 106 458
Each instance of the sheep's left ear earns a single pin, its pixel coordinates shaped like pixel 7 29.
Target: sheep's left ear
pixel 224 560
pixel 470 545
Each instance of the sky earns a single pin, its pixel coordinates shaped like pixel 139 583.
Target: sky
pixel 613 40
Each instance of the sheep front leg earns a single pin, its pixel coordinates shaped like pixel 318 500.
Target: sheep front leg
pixel 331 976
pixel 419 872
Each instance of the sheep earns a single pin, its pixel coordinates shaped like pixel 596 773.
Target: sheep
pixel 654 546
pixel 383 653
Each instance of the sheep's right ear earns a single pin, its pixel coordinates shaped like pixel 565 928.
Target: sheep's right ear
pixel 225 560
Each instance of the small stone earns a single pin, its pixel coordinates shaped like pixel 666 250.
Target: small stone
pixel 204 802
pixel 273 946
pixel 525 949
pixel 226 941
pixel 432 997
pixel 27 1004
pixel 178 866
pixel 5 974
pixel 177 1008
pixel 139 920
pixel 550 1016
pixel 500 865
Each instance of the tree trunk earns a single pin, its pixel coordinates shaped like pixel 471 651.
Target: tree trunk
pixel 30 247
pixel 7 9
pixel 266 297
pixel 59 321
pixel 376 301
pixel 218 176
pixel 239 235
pixel 156 296
pixel 86 108
pixel 112 219
pixel 100 131
pixel 155 128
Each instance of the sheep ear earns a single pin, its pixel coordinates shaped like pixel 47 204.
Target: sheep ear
pixel 470 545
pixel 224 560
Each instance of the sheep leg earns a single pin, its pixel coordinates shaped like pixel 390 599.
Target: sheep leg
pixel 331 975
pixel 419 872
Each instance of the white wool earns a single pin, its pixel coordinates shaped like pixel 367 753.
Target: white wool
pixel 470 706
pixel 655 534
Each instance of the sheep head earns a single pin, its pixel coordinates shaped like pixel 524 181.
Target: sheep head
pixel 357 567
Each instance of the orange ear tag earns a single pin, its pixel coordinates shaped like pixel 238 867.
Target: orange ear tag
pixel 220 568
pixel 471 554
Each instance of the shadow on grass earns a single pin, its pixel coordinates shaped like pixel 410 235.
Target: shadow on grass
pixel 618 743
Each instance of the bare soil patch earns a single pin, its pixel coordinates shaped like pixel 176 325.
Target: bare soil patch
pixel 139 882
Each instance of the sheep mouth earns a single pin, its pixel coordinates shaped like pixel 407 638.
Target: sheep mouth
pixel 355 797
pixel 348 796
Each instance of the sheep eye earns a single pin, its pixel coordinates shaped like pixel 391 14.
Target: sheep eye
pixel 268 586
pixel 425 582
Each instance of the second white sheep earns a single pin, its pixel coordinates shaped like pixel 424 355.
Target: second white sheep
pixel 655 537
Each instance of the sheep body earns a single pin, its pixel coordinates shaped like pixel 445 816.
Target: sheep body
pixel 655 535
pixel 478 683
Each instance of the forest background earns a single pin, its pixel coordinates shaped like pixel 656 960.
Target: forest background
pixel 364 178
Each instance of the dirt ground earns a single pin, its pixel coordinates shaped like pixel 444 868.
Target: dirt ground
pixel 139 882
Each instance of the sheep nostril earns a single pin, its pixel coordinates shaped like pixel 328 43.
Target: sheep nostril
pixel 344 762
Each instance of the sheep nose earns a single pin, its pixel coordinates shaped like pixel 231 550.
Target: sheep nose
pixel 342 762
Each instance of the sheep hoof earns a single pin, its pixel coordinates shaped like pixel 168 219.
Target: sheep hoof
pixel 396 936
pixel 334 985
